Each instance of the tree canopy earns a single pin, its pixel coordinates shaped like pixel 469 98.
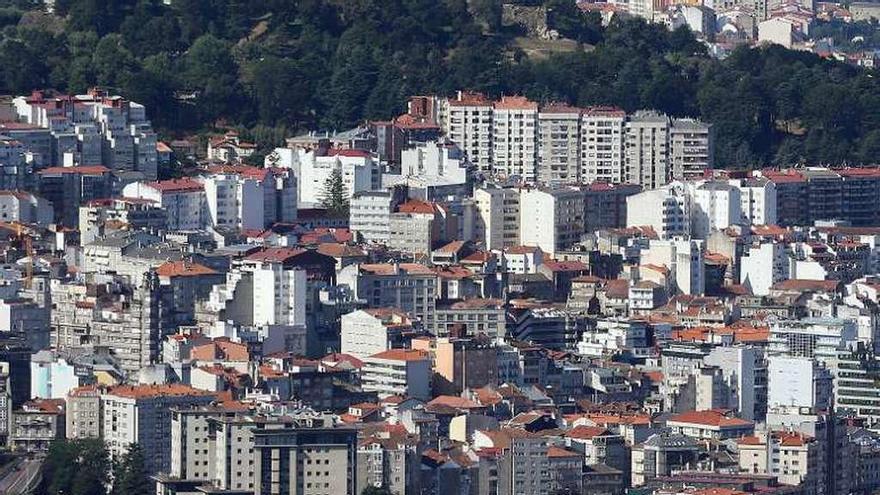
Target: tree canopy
pixel 330 64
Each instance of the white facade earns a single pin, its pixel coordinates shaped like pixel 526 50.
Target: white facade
pixel 763 265
pixel 468 123
pixel 371 331
pixel 551 219
pixel 359 173
pixel 370 215
pixel 647 149
pixel 799 382
pixel 515 138
pixel 142 414
pixel 744 371
pixel 435 162
pixel 16 206
pixel 498 217
pixel 234 201
pixel 684 259
pixel 558 144
pixel 667 210
pixel 758 200
pixel 183 199
pixel 400 372
pixel 603 153
pixel 715 206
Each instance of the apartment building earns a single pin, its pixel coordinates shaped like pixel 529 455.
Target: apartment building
pixel 603 141
pixel 183 200
pixel 369 331
pixel 93 129
pixel 498 217
pixel 691 148
pixel 102 216
pixel 401 372
pixel 410 287
pixel 467 121
pixel 84 418
pixel 266 287
pixel 514 138
pixel 792 457
pixel 142 414
pixel 558 142
pixel 667 210
pixel 551 219
pixel 647 149
pixel 758 200
pixel 68 187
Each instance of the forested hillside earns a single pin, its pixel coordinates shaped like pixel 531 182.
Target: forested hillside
pixel 275 67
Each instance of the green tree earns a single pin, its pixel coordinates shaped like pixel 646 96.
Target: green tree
pixel 129 477
pixel 334 195
pixel 75 467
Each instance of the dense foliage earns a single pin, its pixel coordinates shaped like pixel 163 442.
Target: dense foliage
pixel 83 467
pixel 272 67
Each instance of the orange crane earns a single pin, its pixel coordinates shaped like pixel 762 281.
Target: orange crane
pixel 27 244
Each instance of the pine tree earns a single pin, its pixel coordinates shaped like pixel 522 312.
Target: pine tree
pixel 334 196
pixel 129 477
pixel 75 467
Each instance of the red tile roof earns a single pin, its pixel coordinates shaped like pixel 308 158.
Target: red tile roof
pixel 559 452
pixel 417 206
pixel 185 184
pixel 402 355
pixel 586 432
pixel 350 153
pixel 183 269
pixel 515 103
pixel 710 417
pixel 149 391
pixel 275 254
pixel 220 349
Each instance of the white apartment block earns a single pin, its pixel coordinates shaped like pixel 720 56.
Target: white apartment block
pixel 514 138
pixel 24 207
pixel 370 331
pixel 715 206
pixel 498 217
pixel 439 162
pixel 551 219
pixel 263 289
pixel 667 210
pixel 647 149
pixel 370 214
pixel 96 129
pixel 467 121
pixel 745 370
pixel 183 200
pixel 758 197
pixel 603 140
pixel 798 382
pixel 558 144
pixel 763 265
pixel 683 258
pixel 691 148
pixel 403 372
pixel 234 201
pixel 142 414
pixel 358 169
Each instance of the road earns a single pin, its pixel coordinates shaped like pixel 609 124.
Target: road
pixel 23 480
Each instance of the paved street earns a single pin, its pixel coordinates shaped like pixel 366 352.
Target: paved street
pixel 22 480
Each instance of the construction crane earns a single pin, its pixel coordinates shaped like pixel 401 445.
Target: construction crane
pixel 26 243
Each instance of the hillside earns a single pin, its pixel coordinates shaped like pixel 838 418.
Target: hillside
pixel 272 67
